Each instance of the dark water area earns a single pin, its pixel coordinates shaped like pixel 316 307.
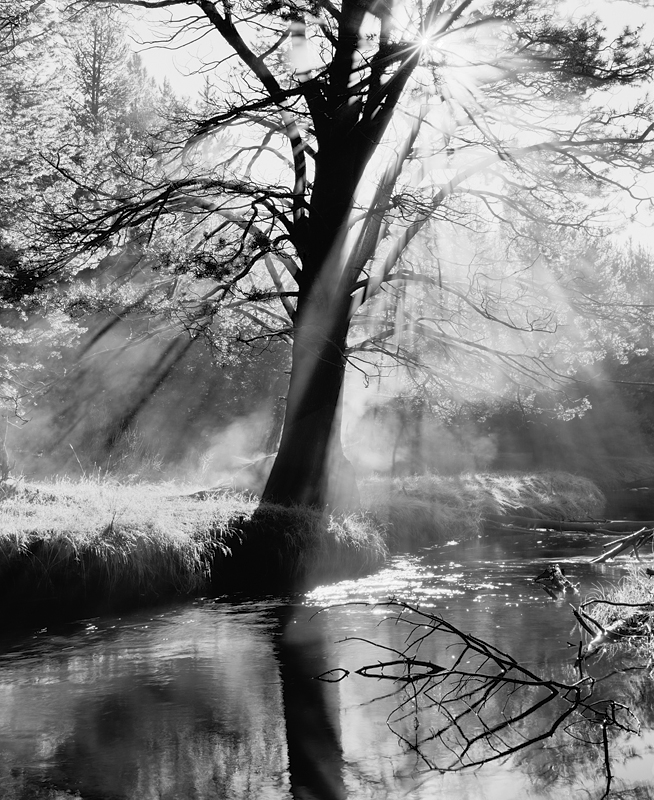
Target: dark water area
pixel 218 698
pixel 636 503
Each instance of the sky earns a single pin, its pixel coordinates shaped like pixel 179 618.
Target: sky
pixel 178 63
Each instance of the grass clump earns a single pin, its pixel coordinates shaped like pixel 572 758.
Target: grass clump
pixel 426 508
pixel 105 545
pixel 298 546
pixel 633 594
pixel 549 495
pixel 635 588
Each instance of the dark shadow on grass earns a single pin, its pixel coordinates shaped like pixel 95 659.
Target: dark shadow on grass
pixel 281 548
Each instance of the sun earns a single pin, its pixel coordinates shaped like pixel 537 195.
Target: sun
pixel 425 41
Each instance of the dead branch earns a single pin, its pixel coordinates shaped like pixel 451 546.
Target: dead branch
pixel 634 541
pixel 482 707
pixel 607 527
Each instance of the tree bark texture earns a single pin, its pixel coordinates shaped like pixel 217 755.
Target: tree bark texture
pixel 300 472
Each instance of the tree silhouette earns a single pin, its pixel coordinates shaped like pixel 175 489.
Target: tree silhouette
pixel 340 134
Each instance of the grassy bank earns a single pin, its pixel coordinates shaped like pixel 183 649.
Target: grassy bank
pixel 82 548
pixel 96 545
pixel 88 547
pixel 632 596
pixel 422 509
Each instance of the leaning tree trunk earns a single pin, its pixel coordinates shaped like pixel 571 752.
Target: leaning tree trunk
pixel 300 471
pixel 300 474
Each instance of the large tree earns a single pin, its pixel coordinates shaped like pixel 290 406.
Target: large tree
pixel 339 132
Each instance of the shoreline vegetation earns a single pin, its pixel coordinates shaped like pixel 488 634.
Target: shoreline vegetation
pixel 75 549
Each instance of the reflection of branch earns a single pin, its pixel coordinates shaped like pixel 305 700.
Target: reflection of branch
pixel 485 705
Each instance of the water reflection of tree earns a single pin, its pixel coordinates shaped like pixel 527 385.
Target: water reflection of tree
pixel 311 711
pixel 230 711
pixel 486 706
pixel 184 737
pixel 189 711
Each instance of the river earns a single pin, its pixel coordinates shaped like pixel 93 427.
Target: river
pixel 218 697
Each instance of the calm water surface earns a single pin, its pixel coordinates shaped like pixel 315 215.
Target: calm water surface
pixel 218 699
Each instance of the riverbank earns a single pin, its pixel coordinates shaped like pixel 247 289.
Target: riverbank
pixel 81 548
pixel 418 510
pixel 632 595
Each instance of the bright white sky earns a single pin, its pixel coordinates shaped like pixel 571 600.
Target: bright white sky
pixel 180 61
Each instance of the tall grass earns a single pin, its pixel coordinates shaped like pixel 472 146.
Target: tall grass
pixel 636 590
pixel 298 546
pixel 105 544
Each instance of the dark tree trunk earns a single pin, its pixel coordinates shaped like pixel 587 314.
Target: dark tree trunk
pixel 347 140
pixel 300 472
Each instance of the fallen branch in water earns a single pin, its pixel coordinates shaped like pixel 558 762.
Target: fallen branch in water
pixel 608 527
pixel 618 630
pixel 631 542
pixel 484 705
